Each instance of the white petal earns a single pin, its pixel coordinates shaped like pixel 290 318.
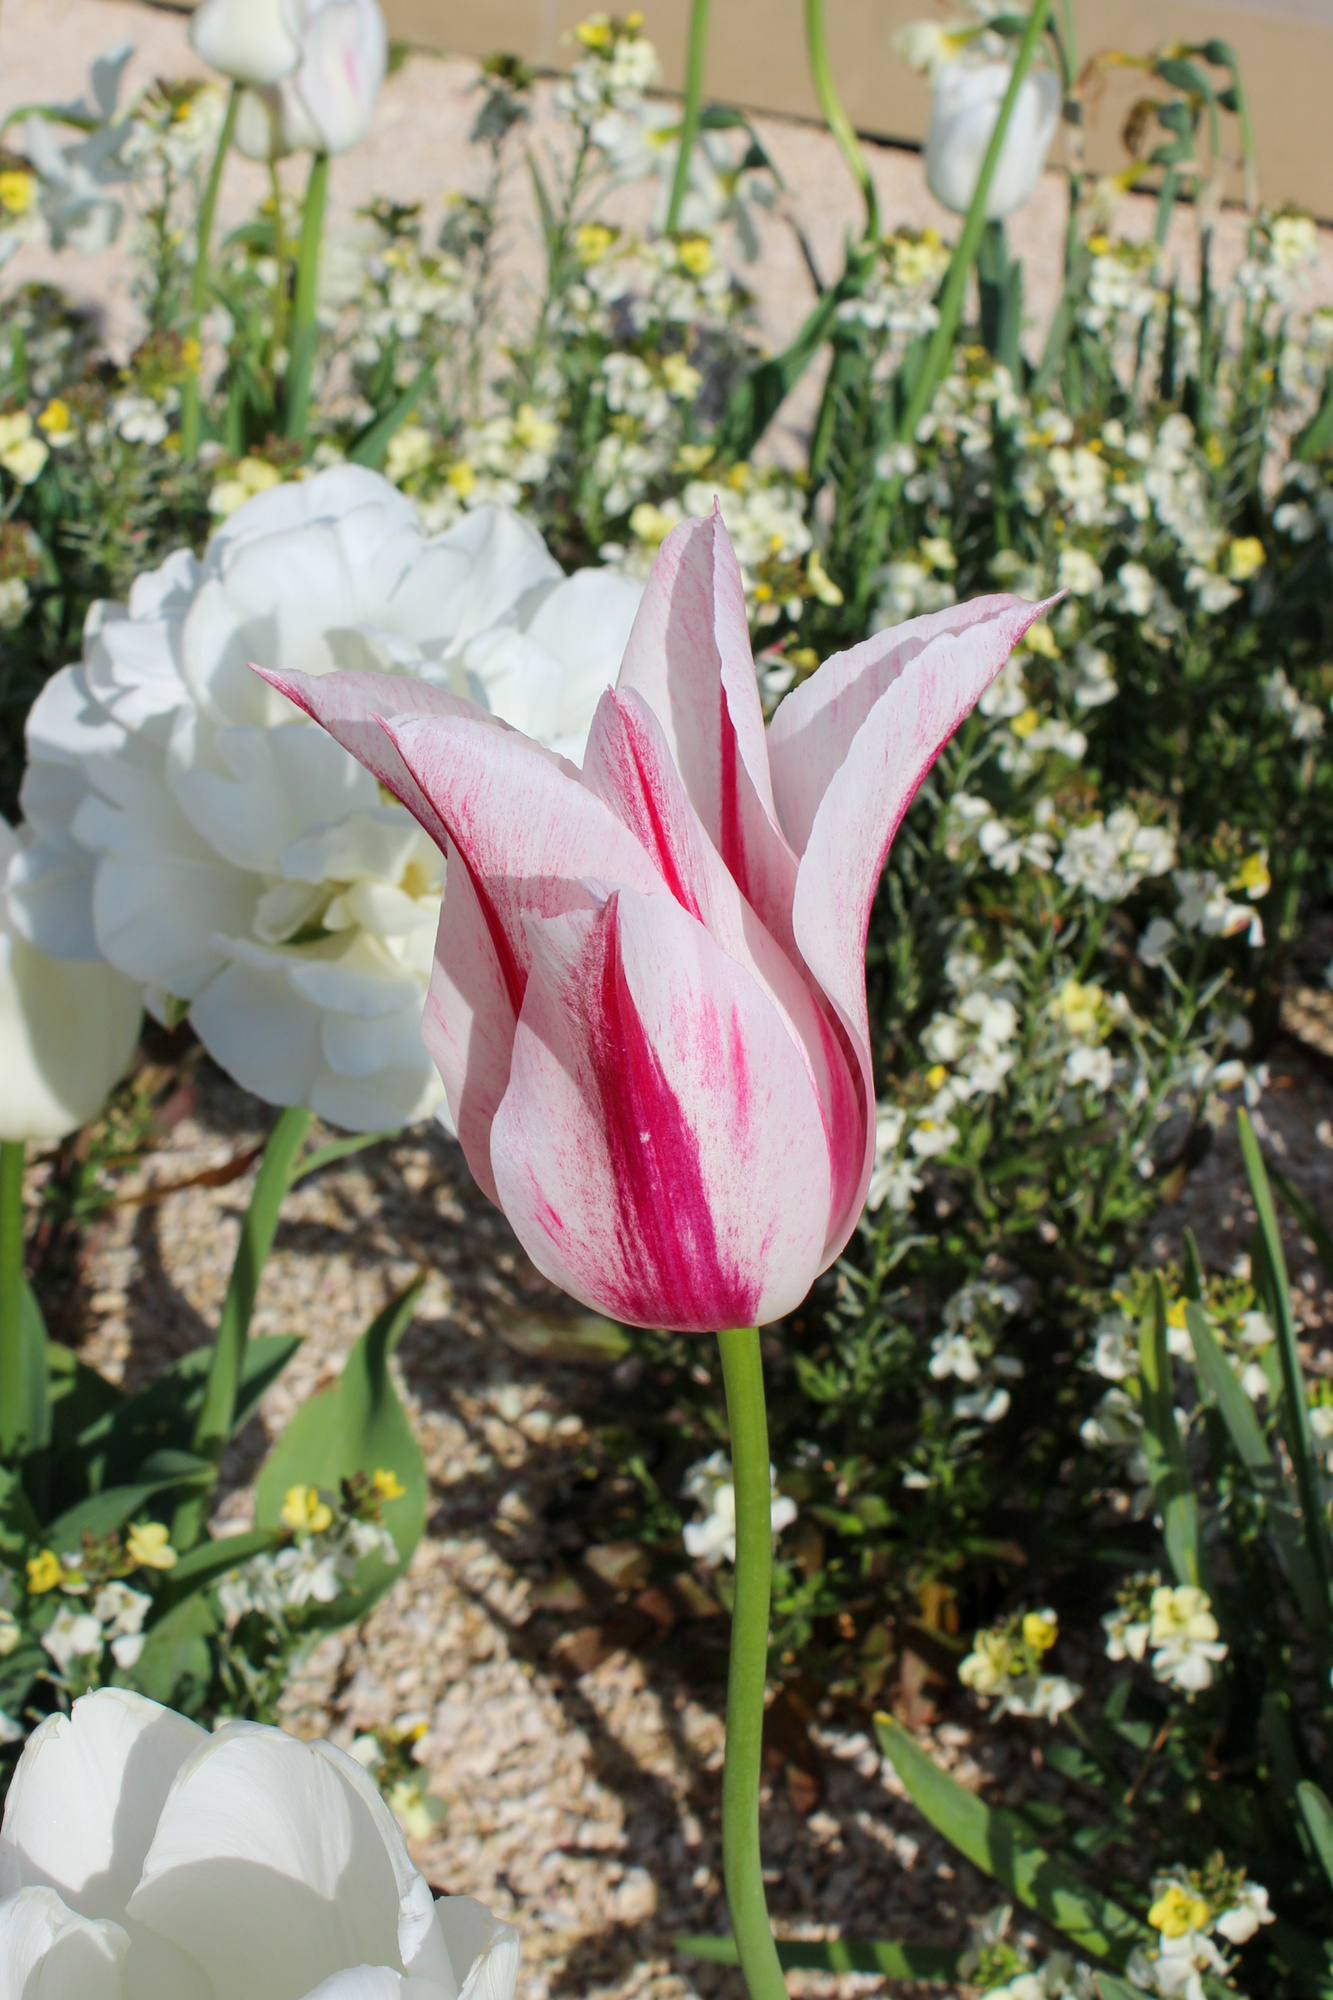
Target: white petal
pixel 47 1952
pixel 483 1951
pixel 508 557
pixel 277 1864
pixel 585 621
pixel 86 1796
pixel 377 1982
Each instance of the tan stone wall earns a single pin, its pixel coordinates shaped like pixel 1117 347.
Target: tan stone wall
pixel 756 58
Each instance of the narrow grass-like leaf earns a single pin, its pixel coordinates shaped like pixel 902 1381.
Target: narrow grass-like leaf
pixel 1318 1816
pixel 105 1513
pixel 1173 1495
pixel 998 1842
pixel 892 1960
pixel 1295 1417
pixel 1217 1378
pixel 337 1149
pixel 373 444
pixel 1317 1231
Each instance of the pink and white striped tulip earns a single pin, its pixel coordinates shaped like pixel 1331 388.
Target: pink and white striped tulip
pixel 648 1004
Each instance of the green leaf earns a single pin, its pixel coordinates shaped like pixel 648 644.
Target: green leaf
pixel 1316 1230
pixel 338 1149
pixel 997 1842
pixel 1111 1988
pixel 1318 1816
pixel 176 1666
pixel 103 1513
pixel 165 1414
pixel 20 1529
pixel 1217 1378
pixel 35 1431
pixel 370 449
pixel 206 1563
pixel 357 1426
pixel 1271 1283
pixel 894 1961
pixel 1173 1496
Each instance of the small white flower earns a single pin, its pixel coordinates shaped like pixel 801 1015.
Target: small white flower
pixel 713 1539
pixel 1184 1635
pixel 1239 1923
pixel 73 1634
pixel 1078 572
pixel 953 1354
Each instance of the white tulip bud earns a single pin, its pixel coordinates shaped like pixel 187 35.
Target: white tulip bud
pixel 968 96
pixel 252 41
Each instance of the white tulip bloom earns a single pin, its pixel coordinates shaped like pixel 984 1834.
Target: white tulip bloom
pixel 67 1030
pixel 327 105
pixel 196 830
pixel 252 41
pixel 967 100
pixel 143 1858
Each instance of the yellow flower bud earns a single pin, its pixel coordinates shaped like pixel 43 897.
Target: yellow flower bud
pixel 387 1485
pixel 303 1509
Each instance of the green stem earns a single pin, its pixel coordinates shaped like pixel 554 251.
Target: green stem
pixel 301 360
pixel 743 1375
pixel 839 124
pixel 190 406
pixel 13 1402
pixel 213 1428
pixel 691 113
pixel 940 351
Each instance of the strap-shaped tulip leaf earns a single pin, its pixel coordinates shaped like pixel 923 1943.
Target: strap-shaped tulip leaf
pixel 360 1426
pixel 103 1513
pixel 882 1955
pixel 176 1664
pixel 998 1842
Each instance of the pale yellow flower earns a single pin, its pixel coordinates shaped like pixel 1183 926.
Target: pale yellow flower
pixel 1178 1910
pixel 149 1544
pixel 44 1572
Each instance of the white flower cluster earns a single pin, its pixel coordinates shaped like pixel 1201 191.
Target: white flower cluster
pixel 1110 856
pixel 313 1569
pixel 1005 1667
pixel 712 1539
pixel 1304 720
pixel 83 1627
pixel 765 515
pixel 1190 1910
pixel 604 89
pixel 965 1351
pixel 1174 1623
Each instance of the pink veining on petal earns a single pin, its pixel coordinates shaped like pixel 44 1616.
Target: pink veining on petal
pixel 659 1150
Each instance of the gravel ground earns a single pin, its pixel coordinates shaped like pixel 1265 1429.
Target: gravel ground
pixel 579 1761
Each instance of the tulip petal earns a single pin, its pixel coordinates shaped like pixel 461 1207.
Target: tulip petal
pixel 352 707
pixel 47 1952
pixel 689 658
pixel 659 1150
pixel 529 835
pixel 276 1864
pixel 86 1796
pixel 469 1020
pixel 628 763
pixel 379 1982
pixel 860 813
pixel 813 728
pixel 483 1951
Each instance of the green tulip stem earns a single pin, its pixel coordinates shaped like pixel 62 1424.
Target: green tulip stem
pixel 208 208
pixel 691 111
pixel 743 1375
pixel 227 1364
pixel 839 124
pixel 940 351
pixel 301 359
pixel 11 1294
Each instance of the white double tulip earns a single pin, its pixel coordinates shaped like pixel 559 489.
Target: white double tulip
pixel 966 105
pixel 143 1859
pixel 325 100
pixel 194 829
pixel 67 1030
